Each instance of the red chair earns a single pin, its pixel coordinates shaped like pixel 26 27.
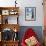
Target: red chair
pixel 29 33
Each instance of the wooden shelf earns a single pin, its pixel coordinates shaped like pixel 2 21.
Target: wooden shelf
pixel 11 41
pixel 4 13
pixel 9 8
pixel 10 26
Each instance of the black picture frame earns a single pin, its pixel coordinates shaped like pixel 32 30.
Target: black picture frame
pixel 30 13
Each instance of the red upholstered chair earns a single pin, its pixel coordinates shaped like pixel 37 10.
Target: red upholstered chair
pixel 29 33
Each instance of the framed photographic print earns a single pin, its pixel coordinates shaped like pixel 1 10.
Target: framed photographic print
pixel 30 13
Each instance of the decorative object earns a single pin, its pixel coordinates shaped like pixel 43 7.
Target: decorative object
pixel 31 41
pixel 15 3
pixel 6 21
pixel 5 12
pixel 30 13
pixel 15 30
pixel 13 12
pixel 15 37
pixel 7 34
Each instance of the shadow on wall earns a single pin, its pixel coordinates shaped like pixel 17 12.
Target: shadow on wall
pixel 37 29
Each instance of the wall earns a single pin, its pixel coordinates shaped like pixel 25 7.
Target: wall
pixel 27 3
pixel 39 12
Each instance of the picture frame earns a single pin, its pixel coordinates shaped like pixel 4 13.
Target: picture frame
pixel 30 13
pixel 5 12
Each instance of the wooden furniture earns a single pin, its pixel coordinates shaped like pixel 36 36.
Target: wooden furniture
pixel 8 11
pixel 0 43
pixel 5 13
pixel 10 43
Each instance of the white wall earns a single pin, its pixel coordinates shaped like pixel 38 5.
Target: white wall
pixel 39 12
pixel 27 3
